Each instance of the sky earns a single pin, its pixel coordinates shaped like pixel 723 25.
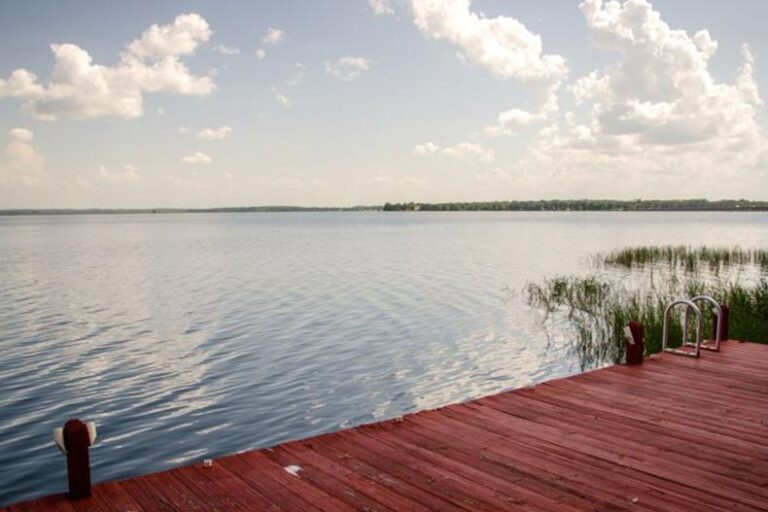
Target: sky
pixel 359 102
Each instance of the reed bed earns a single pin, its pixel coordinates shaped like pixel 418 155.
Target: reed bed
pixel 691 259
pixel 595 308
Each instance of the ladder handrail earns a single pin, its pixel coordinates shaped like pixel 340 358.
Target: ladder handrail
pixel 665 329
pixel 718 311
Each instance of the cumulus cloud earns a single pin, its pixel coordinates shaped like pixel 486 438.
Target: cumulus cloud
pixel 273 36
pixel 662 92
pixel 197 158
pixel 510 121
pixel 127 175
pixel 282 99
pixel 658 110
pixel 227 50
pixel 502 45
pixel 467 151
pixel 23 165
pixel 215 133
pixel 348 68
pixel 381 6
pixel 79 89
pixel 182 37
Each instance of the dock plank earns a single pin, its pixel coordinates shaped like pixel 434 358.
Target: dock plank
pixel 674 434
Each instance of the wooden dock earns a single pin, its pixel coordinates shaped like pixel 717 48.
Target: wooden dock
pixel 674 434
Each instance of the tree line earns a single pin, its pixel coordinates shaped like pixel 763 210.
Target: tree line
pixel 587 205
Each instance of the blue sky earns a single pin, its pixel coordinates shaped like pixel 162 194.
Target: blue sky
pixel 361 102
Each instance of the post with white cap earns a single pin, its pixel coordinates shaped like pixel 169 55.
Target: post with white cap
pixel 74 440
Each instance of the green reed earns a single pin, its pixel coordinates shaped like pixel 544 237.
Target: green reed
pixel 689 259
pixel 597 307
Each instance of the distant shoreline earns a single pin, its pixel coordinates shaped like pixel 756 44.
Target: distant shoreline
pixel 585 205
pixel 135 211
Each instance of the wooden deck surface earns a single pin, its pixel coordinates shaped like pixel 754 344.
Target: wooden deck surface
pixel 675 434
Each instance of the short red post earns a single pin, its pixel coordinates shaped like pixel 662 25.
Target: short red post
pixel 634 343
pixel 724 322
pixel 76 442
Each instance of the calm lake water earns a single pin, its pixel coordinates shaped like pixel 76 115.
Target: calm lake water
pixel 193 335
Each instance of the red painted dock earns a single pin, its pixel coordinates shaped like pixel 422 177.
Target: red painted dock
pixel 674 434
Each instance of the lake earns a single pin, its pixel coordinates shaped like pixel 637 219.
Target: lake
pixel 186 336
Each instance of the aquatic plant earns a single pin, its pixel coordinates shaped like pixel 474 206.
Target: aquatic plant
pixel 596 307
pixel 689 259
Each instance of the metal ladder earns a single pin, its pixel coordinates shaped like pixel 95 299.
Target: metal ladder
pixel 690 305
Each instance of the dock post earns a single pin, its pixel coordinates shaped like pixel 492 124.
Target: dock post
pixel 724 322
pixel 634 343
pixel 77 440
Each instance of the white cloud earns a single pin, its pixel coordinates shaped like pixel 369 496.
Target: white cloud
pixel 502 45
pixel 348 68
pixel 298 75
pixel 381 6
pixel 79 89
pixel 227 50
pixel 126 175
pixel 589 87
pixel 21 84
pixel 23 165
pixel 658 113
pixel 184 130
pixel 510 121
pixel 180 38
pixel 661 92
pixel 197 158
pixel 281 98
pixel 215 134
pixel 468 151
pixel 274 36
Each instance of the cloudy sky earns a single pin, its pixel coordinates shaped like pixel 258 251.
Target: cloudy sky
pixel 344 102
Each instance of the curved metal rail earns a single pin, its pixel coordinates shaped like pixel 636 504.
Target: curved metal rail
pixel 665 331
pixel 713 345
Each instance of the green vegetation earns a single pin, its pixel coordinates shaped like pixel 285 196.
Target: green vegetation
pixel 637 205
pixel 595 308
pixel 686 258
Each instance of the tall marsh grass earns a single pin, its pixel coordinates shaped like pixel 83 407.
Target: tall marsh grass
pixel 689 259
pixel 596 307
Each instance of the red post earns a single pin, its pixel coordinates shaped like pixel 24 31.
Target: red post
pixel 77 441
pixel 635 350
pixel 724 322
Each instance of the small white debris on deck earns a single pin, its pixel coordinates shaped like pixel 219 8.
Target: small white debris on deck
pixel 293 469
